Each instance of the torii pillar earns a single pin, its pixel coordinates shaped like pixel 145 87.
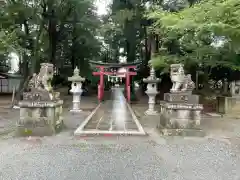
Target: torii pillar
pixel 101 83
pixel 127 76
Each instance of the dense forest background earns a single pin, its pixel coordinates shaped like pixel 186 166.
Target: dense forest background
pixel 202 34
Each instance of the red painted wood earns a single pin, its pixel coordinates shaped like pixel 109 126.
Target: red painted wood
pixel 102 72
pixel 112 73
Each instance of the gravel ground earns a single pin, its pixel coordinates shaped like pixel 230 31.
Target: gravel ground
pixel 127 158
pixel 211 160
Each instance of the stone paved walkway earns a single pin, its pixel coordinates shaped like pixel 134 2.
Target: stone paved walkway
pixel 104 119
pixel 112 117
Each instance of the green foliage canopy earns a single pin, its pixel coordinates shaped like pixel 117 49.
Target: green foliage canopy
pixel 205 34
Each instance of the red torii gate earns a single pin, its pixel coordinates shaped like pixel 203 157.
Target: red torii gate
pixel 102 72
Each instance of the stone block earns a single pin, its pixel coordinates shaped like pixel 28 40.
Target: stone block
pixel 39 118
pixel 182 132
pixel 186 97
pixel 225 104
pixel 174 115
pixel 180 118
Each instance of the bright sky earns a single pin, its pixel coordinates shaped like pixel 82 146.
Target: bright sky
pixel 102 6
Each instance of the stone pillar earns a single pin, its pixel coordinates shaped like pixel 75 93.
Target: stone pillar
pixel 197 117
pixel 23 115
pixel 76 90
pixel 232 88
pixel 101 83
pixel 151 92
pixel 128 88
pixel 225 86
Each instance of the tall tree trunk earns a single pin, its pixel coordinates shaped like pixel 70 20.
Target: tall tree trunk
pixel 130 35
pixel 25 71
pixel 157 43
pixel 152 41
pixel 52 33
pixel 74 41
pixel 73 53
pixel 147 46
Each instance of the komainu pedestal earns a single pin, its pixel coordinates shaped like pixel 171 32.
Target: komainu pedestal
pixel 41 108
pixel 180 110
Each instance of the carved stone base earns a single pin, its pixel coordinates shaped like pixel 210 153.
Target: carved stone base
pixel 39 118
pixel 180 119
pixel 180 115
pixel 182 132
pixel 181 97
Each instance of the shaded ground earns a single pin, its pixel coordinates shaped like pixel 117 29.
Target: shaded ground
pixel 8 116
pixel 63 157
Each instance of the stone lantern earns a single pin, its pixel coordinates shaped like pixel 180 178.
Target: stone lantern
pixel 76 89
pixel 151 91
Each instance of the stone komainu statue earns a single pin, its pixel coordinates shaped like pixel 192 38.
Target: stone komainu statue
pixel 40 85
pixel 41 107
pixel 42 80
pixel 181 82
